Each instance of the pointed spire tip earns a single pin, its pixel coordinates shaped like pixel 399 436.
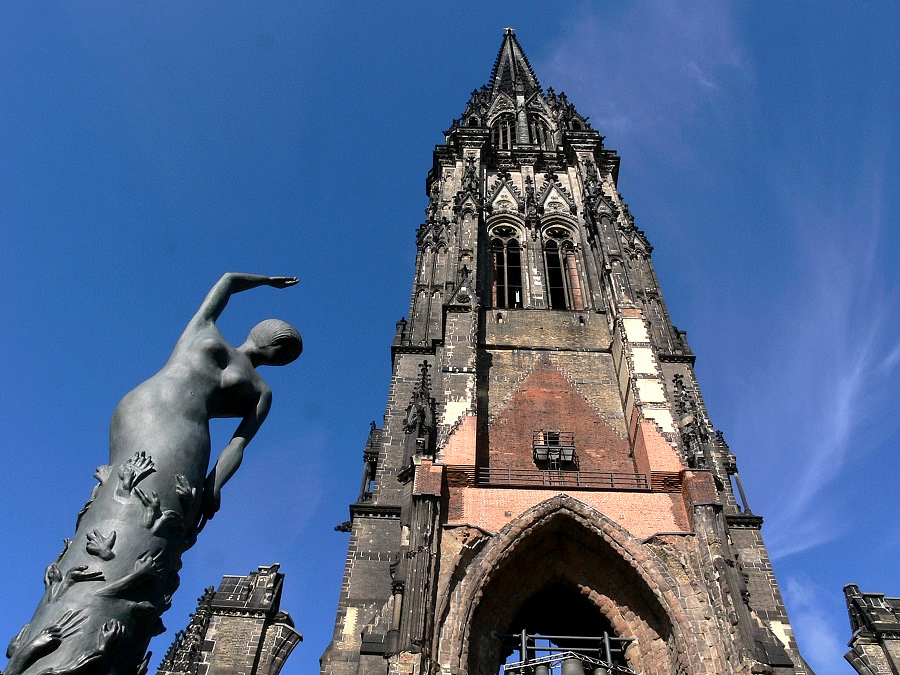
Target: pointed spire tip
pixel 511 71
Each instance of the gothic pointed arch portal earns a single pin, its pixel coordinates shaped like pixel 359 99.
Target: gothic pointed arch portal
pixel 559 565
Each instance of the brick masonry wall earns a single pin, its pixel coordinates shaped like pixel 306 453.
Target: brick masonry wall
pixel 460 446
pixel 652 452
pixel 765 596
pixel 641 514
pixel 365 591
pixel 591 374
pixel 547 329
pixel 546 400
pixel 407 368
pixel 580 350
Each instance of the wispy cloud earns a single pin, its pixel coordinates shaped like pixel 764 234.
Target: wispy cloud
pixel 833 359
pixel 821 645
pixel 649 70
pixel 892 360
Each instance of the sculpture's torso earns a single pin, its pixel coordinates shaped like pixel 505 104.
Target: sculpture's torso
pixel 168 415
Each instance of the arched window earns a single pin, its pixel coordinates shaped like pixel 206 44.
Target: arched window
pixel 540 134
pixel 503 132
pixel 563 283
pixel 506 286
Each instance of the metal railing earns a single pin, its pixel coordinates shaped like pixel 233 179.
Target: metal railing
pixel 587 480
pixel 552 438
pixel 553 661
pixel 606 652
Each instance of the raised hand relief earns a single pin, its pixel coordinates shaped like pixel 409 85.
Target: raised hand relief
pixel 151 507
pixel 100 545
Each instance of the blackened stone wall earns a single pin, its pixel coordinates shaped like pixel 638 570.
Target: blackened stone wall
pixel 237 629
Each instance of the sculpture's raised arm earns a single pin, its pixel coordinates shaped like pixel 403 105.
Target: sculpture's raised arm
pixel 231 283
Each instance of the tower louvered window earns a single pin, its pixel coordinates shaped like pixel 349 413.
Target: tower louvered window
pixel 503 131
pixel 563 283
pixel 506 289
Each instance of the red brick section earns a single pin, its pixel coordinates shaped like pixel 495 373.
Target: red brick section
pixel 652 452
pixel 546 400
pixel 460 447
pixel 642 514
pixel 455 503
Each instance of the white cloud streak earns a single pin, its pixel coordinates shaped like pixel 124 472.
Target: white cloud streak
pixel 651 71
pixel 832 362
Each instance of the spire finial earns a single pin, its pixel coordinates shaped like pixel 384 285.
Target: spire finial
pixel 512 72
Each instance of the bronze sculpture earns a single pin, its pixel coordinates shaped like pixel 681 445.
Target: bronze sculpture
pixel 105 592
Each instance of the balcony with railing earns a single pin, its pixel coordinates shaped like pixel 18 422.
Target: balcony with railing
pixel 556 479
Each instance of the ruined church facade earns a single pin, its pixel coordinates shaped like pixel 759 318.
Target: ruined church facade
pixel 547 490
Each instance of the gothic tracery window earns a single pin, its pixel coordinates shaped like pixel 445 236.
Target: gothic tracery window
pixel 563 283
pixel 503 131
pixel 540 134
pixel 506 287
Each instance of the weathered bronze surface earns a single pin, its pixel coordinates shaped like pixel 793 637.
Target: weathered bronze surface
pixel 106 591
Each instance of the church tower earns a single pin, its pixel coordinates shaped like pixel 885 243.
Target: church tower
pixel 547 490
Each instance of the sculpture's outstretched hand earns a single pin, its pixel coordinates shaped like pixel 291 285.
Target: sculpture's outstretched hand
pixel 282 282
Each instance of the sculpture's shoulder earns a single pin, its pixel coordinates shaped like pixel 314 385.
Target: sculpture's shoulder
pixel 202 341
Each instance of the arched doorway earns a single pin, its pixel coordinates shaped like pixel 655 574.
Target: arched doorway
pixel 568 570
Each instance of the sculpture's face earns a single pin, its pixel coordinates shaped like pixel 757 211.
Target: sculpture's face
pixel 280 353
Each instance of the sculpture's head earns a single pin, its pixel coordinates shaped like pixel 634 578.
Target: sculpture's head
pixel 275 342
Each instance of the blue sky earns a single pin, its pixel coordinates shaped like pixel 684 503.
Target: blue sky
pixel 148 147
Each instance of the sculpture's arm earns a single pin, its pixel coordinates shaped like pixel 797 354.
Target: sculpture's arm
pixel 233 454
pixel 234 282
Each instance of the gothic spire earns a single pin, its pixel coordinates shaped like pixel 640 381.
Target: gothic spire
pixel 512 73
